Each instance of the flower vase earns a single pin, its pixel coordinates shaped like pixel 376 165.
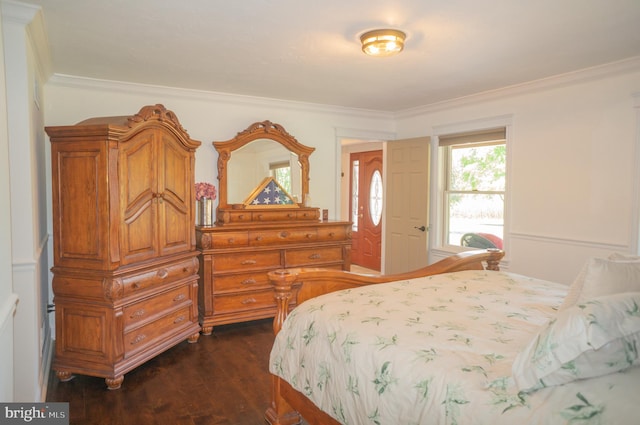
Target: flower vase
pixel 198 212
pixel 207 211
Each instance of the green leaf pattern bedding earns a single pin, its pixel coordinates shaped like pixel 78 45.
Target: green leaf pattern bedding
pixel 438 350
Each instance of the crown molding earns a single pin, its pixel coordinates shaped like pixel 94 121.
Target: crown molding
pixel 588 74
pixel 31 17
pixel 208 96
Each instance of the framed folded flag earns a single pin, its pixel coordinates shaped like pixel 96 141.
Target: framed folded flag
pixel 269 193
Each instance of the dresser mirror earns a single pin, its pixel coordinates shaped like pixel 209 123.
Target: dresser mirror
pixel 259 159
pixel 263 150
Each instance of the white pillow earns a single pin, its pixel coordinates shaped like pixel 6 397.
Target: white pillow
pixel 604 277
pixel 590 339
pixel 599 276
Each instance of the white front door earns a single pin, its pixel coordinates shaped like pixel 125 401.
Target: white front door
pixel 407 193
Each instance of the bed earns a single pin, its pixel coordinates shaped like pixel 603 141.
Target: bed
pixel 458 342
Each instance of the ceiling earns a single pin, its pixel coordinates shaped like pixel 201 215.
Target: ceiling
pixel 309 51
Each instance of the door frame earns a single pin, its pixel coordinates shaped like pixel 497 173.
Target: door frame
pixel 352 140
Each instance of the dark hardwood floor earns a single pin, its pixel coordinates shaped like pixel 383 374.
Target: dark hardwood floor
pixel 222 379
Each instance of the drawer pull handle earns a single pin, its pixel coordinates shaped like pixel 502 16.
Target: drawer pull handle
pixel 259 238
pixel 249 301
pixel 138 313
pixel 136 286
pixel 179 297
pixel 248 281
pixel 331 234
pixel 309 235
pixel 231 240
pixel 241 216
pixel 138 339
pixel 291 215
pixel 259 216
pixel 248 262
pixel 284 234
pixel 178 320
pixel 314 256
pixel 162 273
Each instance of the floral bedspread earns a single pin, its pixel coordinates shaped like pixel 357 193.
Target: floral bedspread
pixel 438 350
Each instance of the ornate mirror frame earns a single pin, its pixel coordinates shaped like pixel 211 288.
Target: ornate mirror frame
pixel 257 131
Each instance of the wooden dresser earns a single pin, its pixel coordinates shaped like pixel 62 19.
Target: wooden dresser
pixel 235 261
pixel 125 272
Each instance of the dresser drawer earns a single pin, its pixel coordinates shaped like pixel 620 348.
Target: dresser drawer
pixel 159 329
pixel 312 256
pixel 234 216
pixel 169 273
pixel 333 233
pixel 242 261
pixel 240 282
pixel 308 214
pixel 269 216
pixel 244 301
pixel 146 310
pixel 229 239
pixel 270 237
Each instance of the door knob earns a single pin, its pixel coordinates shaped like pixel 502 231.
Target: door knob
pixel 421 228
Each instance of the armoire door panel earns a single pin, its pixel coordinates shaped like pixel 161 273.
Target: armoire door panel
pixel 78 229
pixel 174 197
pixel 139 236
pixel 175 172
pixel 137 170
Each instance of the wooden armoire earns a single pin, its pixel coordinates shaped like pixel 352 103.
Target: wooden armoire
pixel 125 274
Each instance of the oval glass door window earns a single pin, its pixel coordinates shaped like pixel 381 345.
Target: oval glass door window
pixel 375 197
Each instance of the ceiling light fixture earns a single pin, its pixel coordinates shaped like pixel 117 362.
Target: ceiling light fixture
pixel 382 42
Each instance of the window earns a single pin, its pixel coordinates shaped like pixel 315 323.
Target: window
pixel 375 197
pixel 355 190
pixel 281 172
pixel 474 174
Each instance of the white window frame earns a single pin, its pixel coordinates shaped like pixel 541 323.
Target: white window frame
pixel 446 151
pixel 438 246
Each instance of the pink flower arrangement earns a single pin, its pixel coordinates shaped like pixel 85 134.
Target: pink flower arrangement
pixel 205 190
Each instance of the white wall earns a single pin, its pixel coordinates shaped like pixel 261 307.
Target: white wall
pixel 573 171
pixel 22 33
pixel 8 298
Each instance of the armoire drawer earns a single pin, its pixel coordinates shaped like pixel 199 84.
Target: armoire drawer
pixel 312 256
pixel 143 311
pixel 240 282
pixel 162 328
pixel 169 273
pixel 280 236
pixel 240 261
pixel 243 301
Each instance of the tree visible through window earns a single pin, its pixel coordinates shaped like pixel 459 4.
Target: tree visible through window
pixel 474 190
pixel 281 172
